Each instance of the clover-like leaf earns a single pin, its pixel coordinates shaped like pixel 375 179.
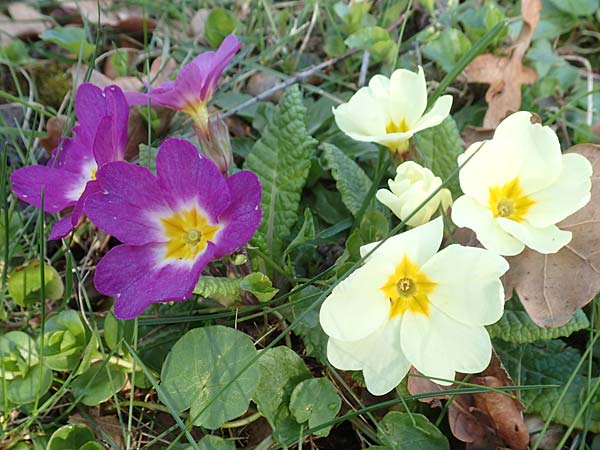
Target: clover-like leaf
pixel 201 373
pixel 315 401
pixel 65 339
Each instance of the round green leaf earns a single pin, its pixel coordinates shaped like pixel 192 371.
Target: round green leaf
pixel 219 23
pixel 30 387
pixel 72 39
pixel 200 366
pixel 18 353
pixel 65 340
pixel 316 401
pixel 98 383
pixel 215 443
pixel 260 285
pixel 24 284
pixel 116 331
pixel 406 431
pixel 71 437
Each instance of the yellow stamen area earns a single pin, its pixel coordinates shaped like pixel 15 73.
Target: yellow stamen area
pixel 509 201
pixel 199 114
pixel 93 171
pixel 188 232
pixel 401 127
pixel 408 289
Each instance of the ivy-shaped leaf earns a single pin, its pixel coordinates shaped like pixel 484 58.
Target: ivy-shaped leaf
pixel 281 159
pixel 439 148
pixel 351 181
pixel 516 326
pixel 407 431
pixel 315 401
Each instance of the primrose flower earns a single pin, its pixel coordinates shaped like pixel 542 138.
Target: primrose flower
pixel 411 187
pixel 518 186
pixel 68 178
pixel 408 305
pixel 390 110
pixel 194 85
pixel 171 224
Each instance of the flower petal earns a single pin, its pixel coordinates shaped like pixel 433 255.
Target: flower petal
pixel 90 108
pixel 241 219
pixel 571 192
pixel 61 188
pixel 136 277
pixel 218 62
pixel 467 212
pixel 378 355
pixel 418 244
pixel 129 198
pixel 61 228
pixel 110 140
pixel 350 117
pixel 186 177
pixel 407 96
pixel 543 240
pixel 468 284
pixel 357 306
pixel 438 346
pixel 436 115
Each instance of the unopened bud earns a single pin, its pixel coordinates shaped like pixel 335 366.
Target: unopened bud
pixel 216 145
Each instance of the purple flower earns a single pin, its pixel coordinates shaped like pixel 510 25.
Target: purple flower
pixel 69 177
pixel 194 85
pixel 171 224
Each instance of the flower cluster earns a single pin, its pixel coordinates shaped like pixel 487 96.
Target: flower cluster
pixel 412 305
pixel 171 224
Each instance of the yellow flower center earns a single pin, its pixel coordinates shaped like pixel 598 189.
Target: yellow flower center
pixel 401 127
pixel 509 201
pixel 188 232
pixel 408 289
pixel 93 172
pixel 199 115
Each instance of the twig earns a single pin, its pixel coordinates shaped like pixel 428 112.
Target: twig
pixel 590 85
pixel 364 67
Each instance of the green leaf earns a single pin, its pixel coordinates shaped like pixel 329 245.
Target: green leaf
pixel 577 7
pixel 516 326
pixel 281 369
pixel 72 39
pixel 260 285
pixel 24 284
pixel 351 181
pixel 439 148
pixel 116 331
pixel 374 39
pixel 215 443
pixel 71 437
pixel 447 48
pixel 18 353
pixel 306 233
pixel 147 154
pixel 224 290
pixel 65 340
pixel 219 23
pixel 97 384
pixel 31 387
pixel 550 363
pixel 198 368
pixel 316 401
pixel 408 431
pixel 281 159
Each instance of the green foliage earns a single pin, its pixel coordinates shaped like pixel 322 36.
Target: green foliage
pixel 15 52
pixel 72 39
pixel 478 21
pixel 309 327
pixel 224 290
pixel 516 326
pixel 439 148
pixel 117 331
pixel 315 401
pixel 281 159
pixel 354 16
pixel 376 40
pixel 577 7
pixel 73 437
pixel 214 443
pixel 351 181
pixel 281 369
pixel 25 283
pixel 98 383
pixel 408 431
pixel 65 340
pixel 260 285
pixel 199 368
pixel 219 23
pixel 550 363
pixel 447 47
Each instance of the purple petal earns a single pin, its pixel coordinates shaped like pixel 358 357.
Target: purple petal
pixel 241 219
pixel 90 108
pixel 107 145
pixel 136 98
pixel 61 228
pixel 221 59
pixel 187 178
pixel 130 196
pixel 136 276
pixel 75 155
pixel 61 188
pixel 91 188
pixel 184 93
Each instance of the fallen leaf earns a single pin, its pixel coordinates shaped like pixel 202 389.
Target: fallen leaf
pixel 552 287
pixel 506 74
pixel 25 22
pixel 261 82
pixel 198 23
pixel 54 129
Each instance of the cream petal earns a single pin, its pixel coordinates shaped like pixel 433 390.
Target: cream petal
pixel 418 244
pixel 468 284
pixel 378 355
pixel 390 200
pixel 543 240
pixel 438 346
pixel 436 115
pixel 468 213
pixel 534 149
pixel 350 117
pixel 407 96
pixel 570 193
pixel 357 306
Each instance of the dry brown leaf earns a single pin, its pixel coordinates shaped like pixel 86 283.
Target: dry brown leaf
pixel 552 287
pixel 24 22
pixel 198 23
pixel 506 74
pixel 471 134
pixel 54 128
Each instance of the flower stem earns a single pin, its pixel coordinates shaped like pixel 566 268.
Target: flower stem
pixel 242 422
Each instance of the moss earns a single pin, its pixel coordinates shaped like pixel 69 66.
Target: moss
pixel 53 82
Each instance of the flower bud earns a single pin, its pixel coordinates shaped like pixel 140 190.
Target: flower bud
pixel 215 143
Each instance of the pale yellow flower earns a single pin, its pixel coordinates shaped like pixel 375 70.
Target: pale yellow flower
pixel 518 186
pixel 410 305
pixel 412 185
pixel 390 111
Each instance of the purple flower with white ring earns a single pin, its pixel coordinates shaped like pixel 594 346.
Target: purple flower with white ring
pixel 68 179
pixel 171 224
pixel 194 85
